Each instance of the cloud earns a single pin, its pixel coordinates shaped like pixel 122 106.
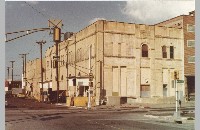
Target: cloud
pixel 155 11
pixel 95 19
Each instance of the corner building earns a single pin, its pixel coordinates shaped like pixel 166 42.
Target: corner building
pixel 133 61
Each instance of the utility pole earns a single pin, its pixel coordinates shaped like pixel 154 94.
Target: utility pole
pixel 12 68
pixel 25 67
pixel 57 39
pixel 40 43
pixel 8 68
pixel 24 70
pixel 90 79
pixel 22 64
pixel 56 24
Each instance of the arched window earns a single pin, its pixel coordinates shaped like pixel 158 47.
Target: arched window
pixel 164 51
pixel 144 50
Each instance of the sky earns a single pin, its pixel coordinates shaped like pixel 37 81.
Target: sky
pixel 76 15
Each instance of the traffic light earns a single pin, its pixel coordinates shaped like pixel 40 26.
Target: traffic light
pixel 57 34
pixel 90 77
pixel 176 75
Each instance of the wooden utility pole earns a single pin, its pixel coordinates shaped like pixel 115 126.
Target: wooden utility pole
pixel 12 68
pixel 41 92
pixel 22 63
pixel 56 24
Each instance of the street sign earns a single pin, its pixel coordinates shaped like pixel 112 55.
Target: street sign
pixel 180 81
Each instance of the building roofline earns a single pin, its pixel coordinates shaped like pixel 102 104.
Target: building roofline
pixel 176 17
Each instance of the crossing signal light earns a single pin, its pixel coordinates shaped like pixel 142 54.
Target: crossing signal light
pixel 90 77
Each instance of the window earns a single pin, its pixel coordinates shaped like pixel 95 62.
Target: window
pixel 119 49
pixel 47 64
pixel 190 43
pixel 190 28
pixel 171 52
pixel 164 52
pixel 191 59
pixel 144 50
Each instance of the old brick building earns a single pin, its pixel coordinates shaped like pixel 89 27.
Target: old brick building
pixel 128 60
pixel 187 23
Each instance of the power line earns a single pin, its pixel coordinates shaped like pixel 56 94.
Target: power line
pixel 44 15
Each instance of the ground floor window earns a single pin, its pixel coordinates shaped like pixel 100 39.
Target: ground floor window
pixel 145 90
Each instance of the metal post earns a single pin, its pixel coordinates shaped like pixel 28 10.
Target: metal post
pixel 89 102
pixel 176 96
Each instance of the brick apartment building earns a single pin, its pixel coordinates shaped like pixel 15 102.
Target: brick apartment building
pixel 187 23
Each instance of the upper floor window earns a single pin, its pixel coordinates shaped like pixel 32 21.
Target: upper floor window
pixel 144 50
pixel 191 59
pixel 164 52
pixel 171 52
pixel 119 49
pixel 47 64
pixel 190 43
pixel 190 28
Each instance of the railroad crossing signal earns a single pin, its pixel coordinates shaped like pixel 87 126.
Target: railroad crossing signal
pixel 91 84
pixel 91 77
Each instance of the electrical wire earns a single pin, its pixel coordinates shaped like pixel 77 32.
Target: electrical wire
pixel 44 15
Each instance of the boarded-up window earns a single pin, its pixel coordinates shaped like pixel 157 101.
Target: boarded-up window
pixel 165 76
pixel 47 64
pixel 144 50
pixel 115 79
pixel 164 52
pixel 145 90
pixel 129 49
pixel 108 50
pixel 171 52
pixel 123 81
pixel 119 49
pixel 115 49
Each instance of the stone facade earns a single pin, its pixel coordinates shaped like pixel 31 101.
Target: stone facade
pixel 126 60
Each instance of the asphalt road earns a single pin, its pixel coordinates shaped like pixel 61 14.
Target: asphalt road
pixel 31 115
pixel 85 120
